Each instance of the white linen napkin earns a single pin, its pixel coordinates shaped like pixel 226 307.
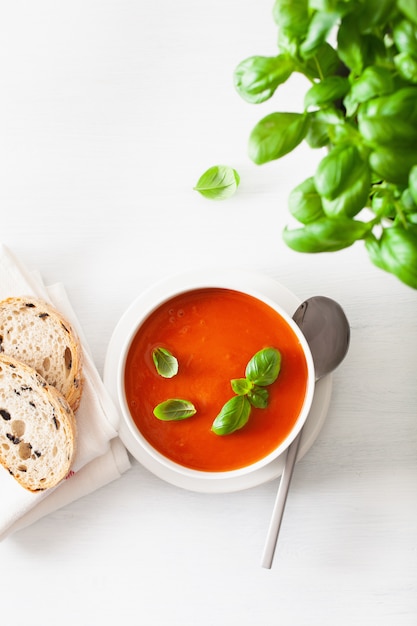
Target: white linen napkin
pixel 100 457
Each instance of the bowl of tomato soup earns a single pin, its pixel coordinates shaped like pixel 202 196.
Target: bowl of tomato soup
pixel 215 334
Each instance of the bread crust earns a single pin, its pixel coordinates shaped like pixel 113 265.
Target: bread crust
pixel 34 332
pixel 37 427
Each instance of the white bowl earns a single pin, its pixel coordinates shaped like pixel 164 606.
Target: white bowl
pixel 255 285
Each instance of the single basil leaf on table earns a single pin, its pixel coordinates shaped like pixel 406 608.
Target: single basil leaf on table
pixel 165 363
pixel 257 78
pixel 264 367
pixel 233 416
pixel 218 182
pixel 174 409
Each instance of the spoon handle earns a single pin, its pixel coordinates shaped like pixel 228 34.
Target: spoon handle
pixel 279 506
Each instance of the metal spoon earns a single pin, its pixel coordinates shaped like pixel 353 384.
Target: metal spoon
pixel 326 328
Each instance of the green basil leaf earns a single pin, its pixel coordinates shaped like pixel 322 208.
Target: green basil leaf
pixel 292 17
pixel 259 397
pixel 383 204
pixel 320 126
pixel 233 416
pixel 409 8
pixel 351 46
pixel 326 235
pixel 326 91
pixel 174 409
pixel 412 182
pixel 374 81
pixel 393 165
pixel 320 26
pixel 405 37
pixel 318 132
pixel 324 63
pixel 241 386
pixel 406 66
pixel 275 135
pixel 373 13
pixel 390 120
pixel 257 78
pixel 353 193
pixel 396 252
pixel 264 367
pixel 339 170
pixel 218 182
pixel 409 199
pixel 304 202
pixel 166 363
pixel 339 6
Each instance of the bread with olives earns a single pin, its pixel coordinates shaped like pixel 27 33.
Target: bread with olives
pixel 34 332
pixel 37 427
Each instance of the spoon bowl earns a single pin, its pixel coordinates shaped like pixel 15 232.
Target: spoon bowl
pixel 327 331
pixel 326 328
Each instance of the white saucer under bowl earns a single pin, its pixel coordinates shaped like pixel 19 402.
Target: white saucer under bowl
pixel 270 289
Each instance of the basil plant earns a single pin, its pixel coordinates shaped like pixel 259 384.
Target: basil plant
pixel 359 58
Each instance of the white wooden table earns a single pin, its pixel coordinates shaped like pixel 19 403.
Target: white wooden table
pixel 109 113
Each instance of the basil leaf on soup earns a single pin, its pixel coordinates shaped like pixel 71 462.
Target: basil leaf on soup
pixel 166 364
pixel 259 397
pixel 218 182
pixel 233 416
pixel 241 386
pixel 264 367
pixel 174 410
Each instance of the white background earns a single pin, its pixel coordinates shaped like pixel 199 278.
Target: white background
pixel 109 113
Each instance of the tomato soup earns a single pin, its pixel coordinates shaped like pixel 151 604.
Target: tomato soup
pixel 213 333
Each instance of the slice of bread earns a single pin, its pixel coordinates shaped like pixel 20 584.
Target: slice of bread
pixel 37 427
pixel 34 332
